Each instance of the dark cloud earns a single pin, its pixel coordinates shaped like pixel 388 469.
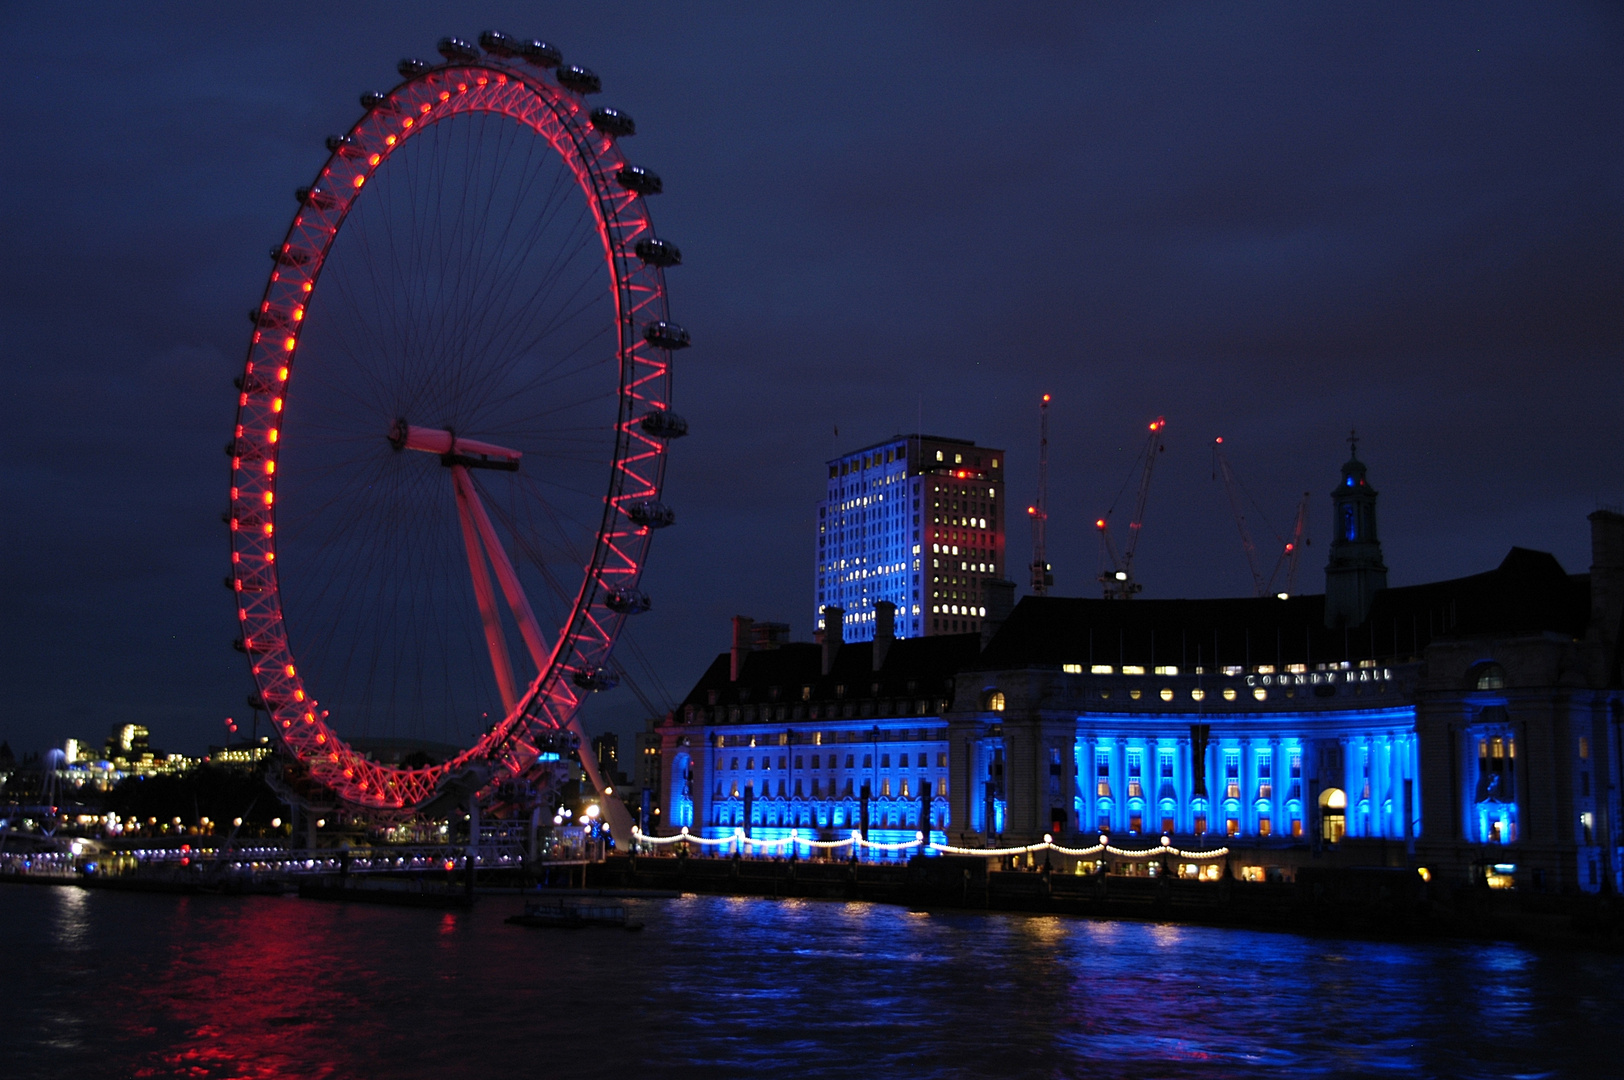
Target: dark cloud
pixel 1264 221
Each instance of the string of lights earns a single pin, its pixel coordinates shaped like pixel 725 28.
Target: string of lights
pixel 856 840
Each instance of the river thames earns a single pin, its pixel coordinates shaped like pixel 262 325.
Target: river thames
pixel 105 984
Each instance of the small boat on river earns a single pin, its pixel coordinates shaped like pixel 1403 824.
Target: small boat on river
pixel 568 914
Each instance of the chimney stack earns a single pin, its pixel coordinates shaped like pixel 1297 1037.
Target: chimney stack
pixel 742 625
pixel 885 630
pixel 1000 602
pixel 833 635
pixel 1607 582
pixel 768 635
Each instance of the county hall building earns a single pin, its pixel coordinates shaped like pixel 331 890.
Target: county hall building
pixel 1469 727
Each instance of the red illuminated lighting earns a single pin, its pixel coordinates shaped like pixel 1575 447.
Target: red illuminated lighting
pixel 617 560
pixel 1100 523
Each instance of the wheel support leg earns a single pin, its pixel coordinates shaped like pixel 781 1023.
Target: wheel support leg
pixel 529 629
pixel 483 593
pixel 478 532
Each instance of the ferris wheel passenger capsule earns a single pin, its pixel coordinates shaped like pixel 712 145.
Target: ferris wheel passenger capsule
pixel 666 335
pixel 497 43
pixel 581 80
pixel 374 100
pixel 457 51
pixel 411 67
pixel 651 514
pixel 613 123
pixel 627 601
pixel 539 54
pixel 595 681
pixel 642 181
pixel 663 424
pixel 657 252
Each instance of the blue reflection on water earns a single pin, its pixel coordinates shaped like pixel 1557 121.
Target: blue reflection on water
pixel 716 986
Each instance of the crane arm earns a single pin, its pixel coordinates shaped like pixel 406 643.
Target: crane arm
pixel 1294 546
pixel 1259 585
pixel 1152 447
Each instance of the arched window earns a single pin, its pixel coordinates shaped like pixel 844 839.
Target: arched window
pixel 1486 675
pixel 995 701
pixel 1333 814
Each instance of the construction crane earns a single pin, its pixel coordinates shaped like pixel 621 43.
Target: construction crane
pixel 1042 572
pixel 1289 549
pixel 1293 549
pixel 1220 468
pixel 1117 577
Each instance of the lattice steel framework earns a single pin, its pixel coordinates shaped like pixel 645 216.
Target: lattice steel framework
pixel 582 647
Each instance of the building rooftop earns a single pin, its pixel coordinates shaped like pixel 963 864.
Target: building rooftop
pixel 792 674
pixel 1528 593
pixel 900 438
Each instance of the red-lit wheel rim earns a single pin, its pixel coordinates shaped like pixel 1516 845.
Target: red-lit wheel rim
pixel 636 380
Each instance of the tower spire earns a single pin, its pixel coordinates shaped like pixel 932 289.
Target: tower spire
pixel 1355 572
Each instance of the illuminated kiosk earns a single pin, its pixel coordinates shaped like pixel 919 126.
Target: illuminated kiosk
pixel 1470 727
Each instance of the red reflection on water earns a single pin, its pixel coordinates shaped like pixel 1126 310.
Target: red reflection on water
pixel 259 997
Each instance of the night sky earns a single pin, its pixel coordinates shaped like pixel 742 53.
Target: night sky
pixel 1270 222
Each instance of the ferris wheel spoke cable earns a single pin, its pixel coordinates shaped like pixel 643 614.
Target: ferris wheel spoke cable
pixel 555 406
pixel 484 302
pixel 556 518
pixel 374 583
pixel 527 538
pixel 469 289
pixel 547 310
pixel 629 638
pixel 352 596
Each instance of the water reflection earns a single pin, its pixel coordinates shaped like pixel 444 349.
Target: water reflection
pixel 268 987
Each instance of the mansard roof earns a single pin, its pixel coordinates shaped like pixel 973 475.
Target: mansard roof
pixel 1528 593
pixel 913 668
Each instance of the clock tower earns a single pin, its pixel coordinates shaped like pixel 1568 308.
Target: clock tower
pixel 1356 572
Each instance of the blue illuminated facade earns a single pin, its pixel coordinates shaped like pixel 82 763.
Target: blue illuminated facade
pixel 771 779
pixel 1469 729
pixel 1311 758
pixel 822 739
pixel 917 521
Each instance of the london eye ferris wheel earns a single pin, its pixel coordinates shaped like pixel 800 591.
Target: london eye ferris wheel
pixel 452 427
